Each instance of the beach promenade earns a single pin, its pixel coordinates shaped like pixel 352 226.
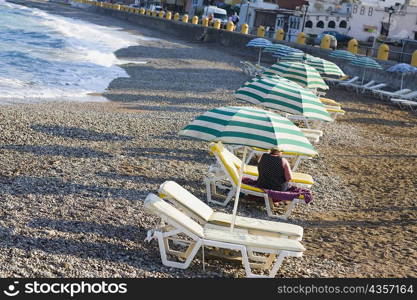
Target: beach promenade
pixel 73 176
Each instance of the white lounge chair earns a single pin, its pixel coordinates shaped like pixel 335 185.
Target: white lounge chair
pixel 204 214
pixel 227 178
pixel 253 248
pixel 252 69
pixel 387 94
pixel 408 96
pixel 403 103
pixel 372 87
pixel 348 82
pixel 359 85
pixel 335 81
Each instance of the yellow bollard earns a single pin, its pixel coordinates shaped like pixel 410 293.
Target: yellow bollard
pixel 142 11
pixel 261 31
pixel 194 20
pixel 204 22
pixel 217 24
pixel 280 35
pixel 414 59
pixel 154 13
pixel 168 16
pixel 353 46
pixel 325 42
pixel 161 14
pixel 383 52
pixel 176 16
pixel 245 29
pixel 185 18
pixel 148 12
pixel 118 7
pixel 230 26
pixel 301 38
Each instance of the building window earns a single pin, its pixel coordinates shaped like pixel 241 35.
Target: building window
pixel 320 24
pixel 370 11
pixel 355 9
pixel 343 24
pixel 331 24
pixel 309 24
pixel 362 10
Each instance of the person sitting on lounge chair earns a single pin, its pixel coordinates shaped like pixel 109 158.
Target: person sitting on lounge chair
pixel 274 171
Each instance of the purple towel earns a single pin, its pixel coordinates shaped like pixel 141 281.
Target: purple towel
pixel 278 196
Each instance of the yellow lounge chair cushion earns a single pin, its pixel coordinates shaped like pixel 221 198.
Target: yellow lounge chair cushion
pixel 335 110
pixel 329 101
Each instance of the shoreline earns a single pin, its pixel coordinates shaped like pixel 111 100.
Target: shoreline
pixel 74 175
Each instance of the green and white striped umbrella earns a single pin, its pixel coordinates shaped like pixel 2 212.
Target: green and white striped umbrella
pixel 342 54
pixel 250 127
pixel 325 67
pixel 253 127
pixel 365 63
pixel 275 47
pixel 282 94
pixel 300 73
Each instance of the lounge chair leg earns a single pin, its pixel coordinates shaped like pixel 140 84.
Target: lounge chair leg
pixel 291 206
pixel 208 189
pixel 248 159
pixel 163 251
pixel 278 263
pixel 269 204
pixel 266 266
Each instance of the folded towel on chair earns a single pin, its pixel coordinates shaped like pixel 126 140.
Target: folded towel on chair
pixel 289 195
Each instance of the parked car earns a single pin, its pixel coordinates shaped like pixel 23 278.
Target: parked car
pixel 216 13
pixel 341 38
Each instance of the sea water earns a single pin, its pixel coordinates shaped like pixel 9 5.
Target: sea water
pixel 46 57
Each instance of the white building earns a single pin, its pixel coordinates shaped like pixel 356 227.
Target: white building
pixel 397 21
pixel 330 15
pixel 258 12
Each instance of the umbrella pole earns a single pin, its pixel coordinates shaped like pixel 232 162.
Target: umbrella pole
pixel 232 225
pixel 402 79
pixel 363 75
pixel 259 56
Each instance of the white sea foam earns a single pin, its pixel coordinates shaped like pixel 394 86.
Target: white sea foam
pixel 84 64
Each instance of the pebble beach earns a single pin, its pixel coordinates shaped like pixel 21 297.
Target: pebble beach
pixel 74 175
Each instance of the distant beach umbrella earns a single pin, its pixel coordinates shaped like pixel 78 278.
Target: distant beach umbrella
pixel 365 63
pixel 300 73
pixel 296 56
pixel 259 43
pixel 324 66
pixel 342 54
pixel 275 47
pixel 403 69
pixel 279 54
pixel 284 95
